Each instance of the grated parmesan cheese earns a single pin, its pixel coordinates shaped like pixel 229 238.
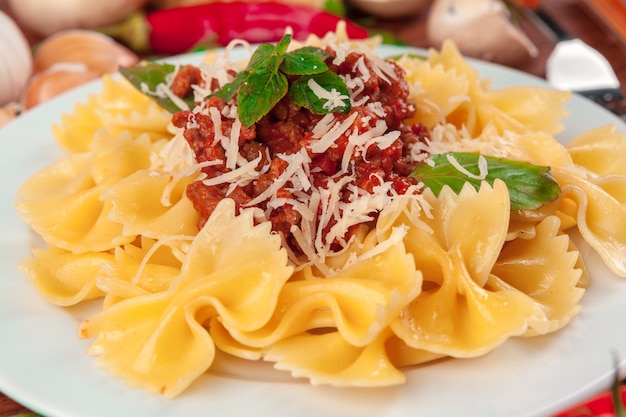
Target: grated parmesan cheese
pixel 330 211
pixel 483 169
pixel 333 98
pixel 327 140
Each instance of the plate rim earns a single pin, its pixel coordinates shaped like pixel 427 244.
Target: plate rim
pixel 64 103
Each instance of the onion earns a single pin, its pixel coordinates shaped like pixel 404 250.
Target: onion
pixel 54 81
pixel 15 60
pixel 99 53
pixel 46 17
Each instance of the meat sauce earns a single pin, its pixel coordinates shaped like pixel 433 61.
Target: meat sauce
pixel 287 129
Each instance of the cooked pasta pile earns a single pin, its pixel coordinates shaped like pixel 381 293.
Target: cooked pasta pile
pixel 453 275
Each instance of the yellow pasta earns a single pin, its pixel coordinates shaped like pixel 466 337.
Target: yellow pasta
pixel 598 208
pixel 234 270
pixel 422 276
pixel 600 150
pixel 64 278
pixel 456 315
pixel 136 205
pixel 118 108
pixel 446 89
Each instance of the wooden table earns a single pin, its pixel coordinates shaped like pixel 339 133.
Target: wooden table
pixel 571 14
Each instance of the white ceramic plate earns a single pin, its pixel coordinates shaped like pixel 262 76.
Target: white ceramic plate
pixel 43 364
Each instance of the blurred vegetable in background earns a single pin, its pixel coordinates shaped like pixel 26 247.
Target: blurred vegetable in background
pixel 46 17
pixel 15 60
pixel 333 6
pixel 391 9
pixel 70 58
pixel 97 52
pixel 181 29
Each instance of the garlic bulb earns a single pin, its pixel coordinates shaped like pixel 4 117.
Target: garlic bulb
pixel 15 60
pixel 99 53
pixel 54 81
pixel 46 17
pixel 480 29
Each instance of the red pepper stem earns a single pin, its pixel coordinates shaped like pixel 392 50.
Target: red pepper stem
pixel 134 31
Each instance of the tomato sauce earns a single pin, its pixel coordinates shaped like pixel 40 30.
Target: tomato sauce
pixel 288 128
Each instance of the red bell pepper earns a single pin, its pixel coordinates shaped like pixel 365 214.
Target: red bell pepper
pixel 180 29
pixel 602 405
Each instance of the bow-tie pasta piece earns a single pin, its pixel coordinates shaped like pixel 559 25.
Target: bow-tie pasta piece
pixel 64 278
pixel 234 270
pixel 118 107
pixel 70 215
pixel 328 359
pixel 432 86
pixel 524 109
pixel 152 204
pixel 601 150
pixel 142 267
pixel 63 201
pixel 597 206
pixel 447 89
pixel 359 302
pixel 456 314
pixel 547 269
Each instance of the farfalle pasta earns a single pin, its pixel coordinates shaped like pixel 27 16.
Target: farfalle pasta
pixel 318 252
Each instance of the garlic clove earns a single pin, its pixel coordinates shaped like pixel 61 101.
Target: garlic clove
pixel 15 60
pixel 54 81
pixel 98 52
pixel 480 29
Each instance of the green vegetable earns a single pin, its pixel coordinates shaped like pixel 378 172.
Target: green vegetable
pixel 264 82
pixel 530 186
pixel 149 76
pixel 408 55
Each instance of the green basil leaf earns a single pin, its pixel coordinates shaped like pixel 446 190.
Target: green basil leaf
pixel 408 55
pixel 304 61
pixel 260 54
pixel 313 50
pixel 264 82
pixel 259 94
pixel 281 46
pixel 228 91
pixel 150 75
pixel 530 186
pixel 335 99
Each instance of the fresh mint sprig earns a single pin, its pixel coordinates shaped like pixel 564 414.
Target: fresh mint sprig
pixel 149 76
pixel 272 73
pixel 530 186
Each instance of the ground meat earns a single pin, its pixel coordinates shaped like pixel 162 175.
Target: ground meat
pixel 287 129
pixel 184 79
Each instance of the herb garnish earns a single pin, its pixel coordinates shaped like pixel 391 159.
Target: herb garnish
pixel 149 76
pixel 264 82
pixel 530 186
pixel 270 75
